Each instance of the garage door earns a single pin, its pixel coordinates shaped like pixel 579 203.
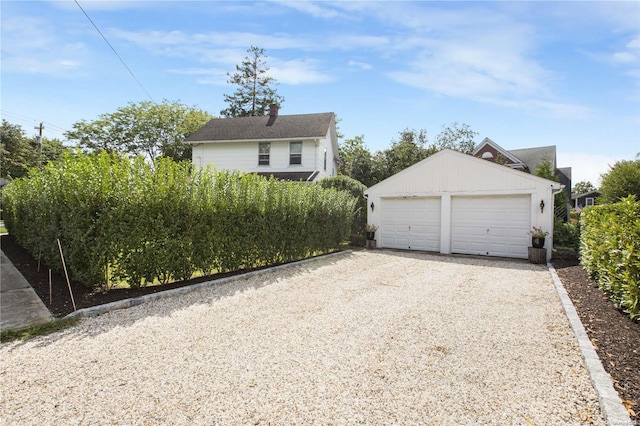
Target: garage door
pixel 492 226
pixel 411 223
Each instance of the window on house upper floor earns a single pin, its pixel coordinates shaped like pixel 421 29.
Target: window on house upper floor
pixel 295 153
pixel 589 201
pixel 264 152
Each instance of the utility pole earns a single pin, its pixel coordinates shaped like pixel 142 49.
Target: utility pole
pixel 40 128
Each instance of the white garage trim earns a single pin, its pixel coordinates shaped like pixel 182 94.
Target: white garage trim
pixel 410 223
pixel 491 226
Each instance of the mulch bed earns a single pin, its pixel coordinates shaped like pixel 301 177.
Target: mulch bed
pixel 615 337
pixel 84 297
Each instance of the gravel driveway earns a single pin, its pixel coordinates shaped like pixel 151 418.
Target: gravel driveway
pixel 365 338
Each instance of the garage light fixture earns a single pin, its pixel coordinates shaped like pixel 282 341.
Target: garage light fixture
pixel 541 206
pixel 372 206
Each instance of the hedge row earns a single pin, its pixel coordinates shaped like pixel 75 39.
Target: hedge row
pixel 122 220
pixel 610 251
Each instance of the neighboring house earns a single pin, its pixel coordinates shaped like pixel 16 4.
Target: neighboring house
pixel 452 202
pixel 526 160
pixel 301 147
pixel 580 201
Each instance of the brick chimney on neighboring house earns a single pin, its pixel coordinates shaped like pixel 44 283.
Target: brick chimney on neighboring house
pixel 273 113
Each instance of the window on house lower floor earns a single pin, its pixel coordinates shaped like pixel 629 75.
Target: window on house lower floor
pixel 325 160
pixel 589 201
pixel 295 153
pixel 264 152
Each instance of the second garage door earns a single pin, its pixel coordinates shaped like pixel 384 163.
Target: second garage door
pixel 491 226
pixel 411 223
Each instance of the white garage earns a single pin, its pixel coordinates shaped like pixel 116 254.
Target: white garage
pixel 451 202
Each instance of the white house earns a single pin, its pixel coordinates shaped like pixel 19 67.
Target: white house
pixel 452 202
pixel 302 147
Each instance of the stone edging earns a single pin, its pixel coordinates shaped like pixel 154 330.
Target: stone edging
pixel 129 303
pixel 612 408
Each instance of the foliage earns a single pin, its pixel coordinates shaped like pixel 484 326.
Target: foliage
pixel 121 219
pixel 145 128
pixel 356 190
pixel 583 187
pixel 412 146
pixel 254 93
pixel 622 180
pixel 566 234
pixel 610 251
pixel 409 149
pixel 458 137
pixel 19 153
pixel 356 161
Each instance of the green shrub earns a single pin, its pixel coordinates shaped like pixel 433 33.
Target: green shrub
pixel 123 220
pixel 610 251
pixel 356 189
pixel 565 234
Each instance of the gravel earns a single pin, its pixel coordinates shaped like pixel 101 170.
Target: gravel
pixel 372 337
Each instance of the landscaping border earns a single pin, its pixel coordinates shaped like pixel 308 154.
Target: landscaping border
pixel 129 303
pixel 610 403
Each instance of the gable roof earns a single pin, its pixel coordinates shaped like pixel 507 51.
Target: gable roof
pixel 532 157
pixel 486 141
pixel 265 128
pixel 594 194
pixel 444 166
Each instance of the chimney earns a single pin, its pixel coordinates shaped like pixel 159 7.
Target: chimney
pixel 273 110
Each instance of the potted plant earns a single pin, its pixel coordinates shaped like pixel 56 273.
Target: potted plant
pixel 537 237
pixel 371 231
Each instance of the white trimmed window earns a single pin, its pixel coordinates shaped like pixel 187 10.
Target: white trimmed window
pixel 295 153
pixel 264 152
pixel 589 201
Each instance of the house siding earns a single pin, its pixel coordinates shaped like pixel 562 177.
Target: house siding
pixel 243 156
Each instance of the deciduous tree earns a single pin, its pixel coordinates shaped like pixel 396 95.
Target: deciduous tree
pixel 622 180
pixel 146 128
pixel 583 187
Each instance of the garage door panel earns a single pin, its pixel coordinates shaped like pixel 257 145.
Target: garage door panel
pixel 411 223
pixel 494 226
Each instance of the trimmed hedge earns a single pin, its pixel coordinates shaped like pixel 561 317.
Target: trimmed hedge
pixel 123 220
pixel 356 189
pixel 610 251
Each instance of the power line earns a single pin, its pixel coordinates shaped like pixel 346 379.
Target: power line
pixel 114 51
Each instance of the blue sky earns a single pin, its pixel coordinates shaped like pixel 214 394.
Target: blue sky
pixel 521 73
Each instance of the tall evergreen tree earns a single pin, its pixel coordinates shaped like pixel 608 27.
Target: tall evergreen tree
pixel 254 92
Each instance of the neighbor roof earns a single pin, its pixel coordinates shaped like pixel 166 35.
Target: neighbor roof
pixel 532 157
pixel 264 128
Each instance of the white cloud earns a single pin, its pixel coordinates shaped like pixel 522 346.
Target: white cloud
pixel 298 72
pixel 359 65
pixel 33 46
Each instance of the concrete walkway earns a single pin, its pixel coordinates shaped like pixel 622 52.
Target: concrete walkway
pixel 20 306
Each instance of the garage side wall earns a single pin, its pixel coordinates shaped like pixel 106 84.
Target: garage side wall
pixel 449 176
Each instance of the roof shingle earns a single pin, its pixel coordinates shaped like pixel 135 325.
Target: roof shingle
pixel 264 128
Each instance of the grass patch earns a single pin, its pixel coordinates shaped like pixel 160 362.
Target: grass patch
pixel 42 329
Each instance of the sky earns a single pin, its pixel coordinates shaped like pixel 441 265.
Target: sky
pixel 523 74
